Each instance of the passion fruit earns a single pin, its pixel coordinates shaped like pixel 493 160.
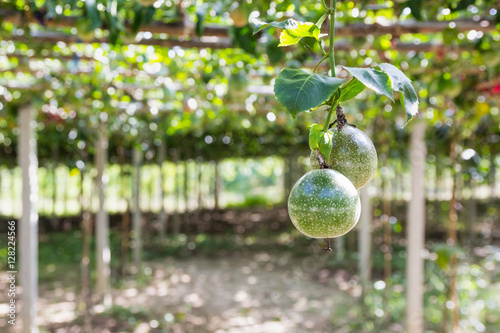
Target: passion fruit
pixel 353 155
pixel 324 204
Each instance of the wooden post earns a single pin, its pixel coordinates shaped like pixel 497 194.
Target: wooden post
pixel 199 185
pixel 136 217
pixel 186 192
pixel 387 246
pixel 125 226
pixel 28 226
pixel 452 240
pixel 103 253
pixel 217 185
pixel 176 221
pixel 365 240
pixel 416 232
pixel 162 153
pixel 55 159
pixel 471 210
pixel 492 179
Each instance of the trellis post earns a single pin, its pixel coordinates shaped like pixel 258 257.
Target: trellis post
pixel 28 226
pixel 416 231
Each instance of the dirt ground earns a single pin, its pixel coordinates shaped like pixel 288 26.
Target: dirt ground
pixel 248 293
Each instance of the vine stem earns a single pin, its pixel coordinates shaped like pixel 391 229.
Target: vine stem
pixel 333 5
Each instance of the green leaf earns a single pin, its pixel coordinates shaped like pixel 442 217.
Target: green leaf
pixel 293 30
pixel 136 24
pixel 376 80
pixel 298 91
pixel 322 140
pixel 51 9
pixel 242 37
pixel 150 12
pixel 291 36
pixel 200 12
pixel 352 89
pixel 258 25
pixel 401 83
pixel 462 5
pixel 416 8
pixel 444 254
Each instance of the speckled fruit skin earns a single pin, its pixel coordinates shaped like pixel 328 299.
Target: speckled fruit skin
pixel 353 155
pixel 324 204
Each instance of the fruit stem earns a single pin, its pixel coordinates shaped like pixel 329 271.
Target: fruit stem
pixel 328 247
pixel 340 113
pixel 321 161
pixel 329 116
pixel 341 121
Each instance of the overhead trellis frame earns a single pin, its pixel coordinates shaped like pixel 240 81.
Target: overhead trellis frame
pixel 353 30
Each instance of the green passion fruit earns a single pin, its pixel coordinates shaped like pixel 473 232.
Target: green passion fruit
pixel 324 204
pixel 353 155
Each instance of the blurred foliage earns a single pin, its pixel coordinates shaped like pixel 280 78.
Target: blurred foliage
pixel 195 100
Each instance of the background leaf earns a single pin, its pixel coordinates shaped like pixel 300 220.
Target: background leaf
pixel 258 25
pixel 416 8
pixel 401 83
pixel 462 5
pixel 298 91
pixel 292 36
pixel 201 12
pixel 376 80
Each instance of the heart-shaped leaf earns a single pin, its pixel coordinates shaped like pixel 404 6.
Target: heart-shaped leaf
pixel 401 83
pixel 298 91
pixel 377 81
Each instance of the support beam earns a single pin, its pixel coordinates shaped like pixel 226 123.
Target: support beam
pixel 415 234
pixel 354 29
pixel 28 228
pixel 103 253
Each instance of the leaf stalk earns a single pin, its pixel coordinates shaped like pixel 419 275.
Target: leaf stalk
pixel 319 63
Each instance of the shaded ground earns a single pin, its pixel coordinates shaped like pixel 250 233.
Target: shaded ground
pixel 253 293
